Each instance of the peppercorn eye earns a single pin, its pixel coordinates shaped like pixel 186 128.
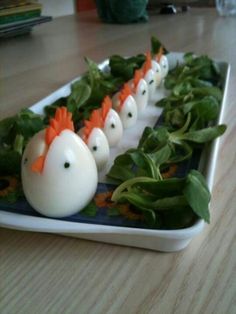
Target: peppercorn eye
pixel 66 165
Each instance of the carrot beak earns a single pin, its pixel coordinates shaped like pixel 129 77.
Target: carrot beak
pixel 38 164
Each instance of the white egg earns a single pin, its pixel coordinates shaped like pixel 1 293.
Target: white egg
pixel 113 128
pixel 99 147
pixel 68 179
pixel 150 78
pixel 157 69
pixel 128 112
pixel 164 64
pixel 140 94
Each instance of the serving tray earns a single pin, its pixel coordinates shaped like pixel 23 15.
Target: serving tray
pixel 118 229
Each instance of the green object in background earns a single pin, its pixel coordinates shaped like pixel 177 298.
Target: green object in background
pixel 11 18
pixel 122 11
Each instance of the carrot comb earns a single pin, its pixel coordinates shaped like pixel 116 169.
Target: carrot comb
pixel 96 118
pixel 137 77
pixel 61 121
pixel 160 53
pixel 124 93
pixel 106 107
pixel 95 121
pixel 148 63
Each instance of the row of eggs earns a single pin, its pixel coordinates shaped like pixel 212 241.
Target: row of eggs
pixel 58 170
pixel 128 104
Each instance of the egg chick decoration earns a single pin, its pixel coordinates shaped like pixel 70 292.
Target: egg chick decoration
pixel 59 174
pixel 149 75
pixel 163 62
pixel 158 73
pixel 139 90
pixel 111 123
pixel 95 139
pixel 125 104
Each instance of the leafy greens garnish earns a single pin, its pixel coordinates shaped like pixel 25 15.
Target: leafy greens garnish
pixel 201 68
pixel 189 115
pixel 158 148
pixel 125 67
pixel 156 45
pixel 155 197
pixel 15 132
pixel 195 88
pixel 87 93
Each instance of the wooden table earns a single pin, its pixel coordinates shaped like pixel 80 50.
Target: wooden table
pixel 44 273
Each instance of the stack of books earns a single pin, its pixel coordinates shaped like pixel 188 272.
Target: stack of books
pixel 19 16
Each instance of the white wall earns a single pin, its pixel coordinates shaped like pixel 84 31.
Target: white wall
pixel 57 7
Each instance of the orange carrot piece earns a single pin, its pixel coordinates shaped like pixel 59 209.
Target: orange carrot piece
pixel 148 63
pixel 38 164
pixel 106 107
pixel 124 93
pixel 96 119
pixel 50 134
pixel 55 125
pixel 61 121
pixel 137 77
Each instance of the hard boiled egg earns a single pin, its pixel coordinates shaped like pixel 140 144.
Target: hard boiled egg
pixel 149 75
pixel 95 139
pixel 158 72
pixel 150 78
pixel 140 91
pixel 59 174
pixel 99 147
pixel 164 64
pixel 124 103
pixel 112 125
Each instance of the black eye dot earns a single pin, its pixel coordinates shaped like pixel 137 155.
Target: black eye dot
pixel 157 70
pixel 164 66
pixel 112 125
pixel 25 160
pixel 66 165
pixel 152 81
pixel 130 115
pixel 95 148
pixel 144 92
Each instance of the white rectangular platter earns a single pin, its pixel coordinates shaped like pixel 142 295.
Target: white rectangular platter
pixel 160 240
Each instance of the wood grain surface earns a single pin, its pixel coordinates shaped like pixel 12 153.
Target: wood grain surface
pixel 43 273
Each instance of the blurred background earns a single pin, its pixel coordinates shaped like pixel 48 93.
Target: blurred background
pixel 18 17
pixel 62 7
